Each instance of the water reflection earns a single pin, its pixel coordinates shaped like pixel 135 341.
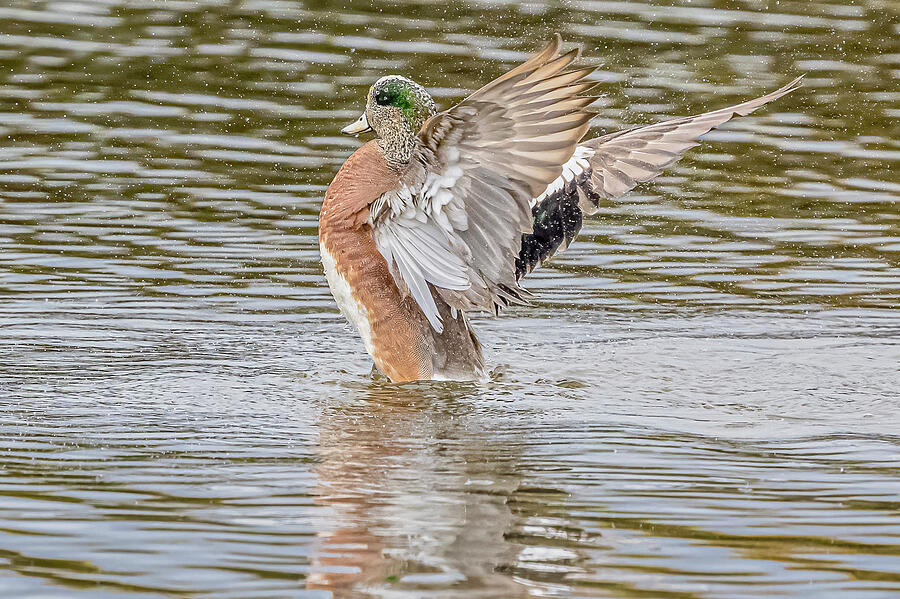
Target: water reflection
pixel 417 490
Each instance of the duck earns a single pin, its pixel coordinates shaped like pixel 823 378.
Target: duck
pixel 442 214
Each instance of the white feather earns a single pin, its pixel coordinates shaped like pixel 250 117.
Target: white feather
pixel 413 231
pixel 576 165
pixel 421 252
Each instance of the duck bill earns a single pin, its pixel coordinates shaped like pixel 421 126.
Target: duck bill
pixel 360 125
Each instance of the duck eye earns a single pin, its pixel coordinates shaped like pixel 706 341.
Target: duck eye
pixel 382 98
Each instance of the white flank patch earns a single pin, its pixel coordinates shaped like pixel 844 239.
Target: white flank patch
pixel 350 307
pixel 576 165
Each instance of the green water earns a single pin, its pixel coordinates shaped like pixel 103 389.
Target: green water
pixel 701 402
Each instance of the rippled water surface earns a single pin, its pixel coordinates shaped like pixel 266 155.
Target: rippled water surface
pixel 701 402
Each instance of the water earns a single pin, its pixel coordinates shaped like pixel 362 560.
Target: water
pixel 702 401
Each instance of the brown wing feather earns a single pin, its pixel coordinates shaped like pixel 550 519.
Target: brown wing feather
pixel 623 159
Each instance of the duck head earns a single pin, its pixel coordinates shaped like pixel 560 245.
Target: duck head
pixel 396 109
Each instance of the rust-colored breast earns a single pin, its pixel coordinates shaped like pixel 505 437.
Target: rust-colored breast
pixel 400 338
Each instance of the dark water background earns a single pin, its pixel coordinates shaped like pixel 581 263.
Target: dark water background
pixel 702 401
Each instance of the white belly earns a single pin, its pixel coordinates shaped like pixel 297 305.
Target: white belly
pixel 350 307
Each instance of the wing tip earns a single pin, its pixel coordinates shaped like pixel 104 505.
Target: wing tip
pixel 552 47
pixel 793 85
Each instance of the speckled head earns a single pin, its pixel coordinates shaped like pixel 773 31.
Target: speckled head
pixel 393 94
pixel 396 109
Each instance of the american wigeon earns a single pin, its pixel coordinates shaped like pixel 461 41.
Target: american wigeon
pixel 443 213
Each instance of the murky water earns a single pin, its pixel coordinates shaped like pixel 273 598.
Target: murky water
pixel 702 401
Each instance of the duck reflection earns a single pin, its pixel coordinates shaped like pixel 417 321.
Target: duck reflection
pixel 417 489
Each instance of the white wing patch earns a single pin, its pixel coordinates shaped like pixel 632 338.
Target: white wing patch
pixel 576 165
pixel 415 234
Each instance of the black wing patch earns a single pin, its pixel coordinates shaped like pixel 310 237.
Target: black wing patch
pixel 557 220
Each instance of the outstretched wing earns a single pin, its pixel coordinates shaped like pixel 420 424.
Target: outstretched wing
pixel 454 227
pixel 617 162
pixel 610 166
